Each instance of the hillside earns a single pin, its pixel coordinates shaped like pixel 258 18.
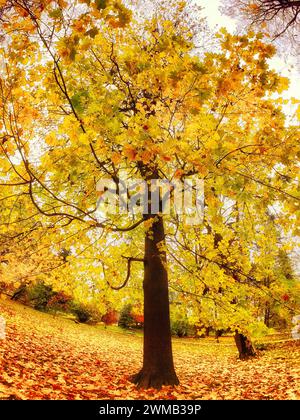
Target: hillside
pixel 47 357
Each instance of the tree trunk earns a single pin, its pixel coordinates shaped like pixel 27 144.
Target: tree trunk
pixel 244 346
pixel 267 315
pixel 158 367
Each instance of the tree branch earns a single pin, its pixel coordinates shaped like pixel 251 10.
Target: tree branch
pixel 129 261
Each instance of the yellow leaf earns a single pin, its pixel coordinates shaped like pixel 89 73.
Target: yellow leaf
pixel 130 152
pixel 116 158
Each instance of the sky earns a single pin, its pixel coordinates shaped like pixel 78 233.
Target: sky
pixel 214 17
pixel 217 20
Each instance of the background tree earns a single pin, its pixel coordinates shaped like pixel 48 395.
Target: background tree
pixel 242 275
pixel 278 19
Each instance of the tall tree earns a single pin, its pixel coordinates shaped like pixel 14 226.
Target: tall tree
pixel 97 94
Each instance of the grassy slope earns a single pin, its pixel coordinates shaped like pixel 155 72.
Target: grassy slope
pixel 47 357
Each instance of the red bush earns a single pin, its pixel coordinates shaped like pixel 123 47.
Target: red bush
pixel 139 318
pixel 111 317
pixel 59 301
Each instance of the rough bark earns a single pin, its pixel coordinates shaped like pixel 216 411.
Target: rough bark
pixel 158 367
pixel 244 345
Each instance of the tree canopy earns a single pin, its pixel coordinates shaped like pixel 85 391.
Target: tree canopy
pixel 91 90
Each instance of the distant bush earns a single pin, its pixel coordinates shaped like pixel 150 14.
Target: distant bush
pixel 43 298
pixel 81 312
pixel 85 313
pixel 60 301
pixel 261 346
pixel 126 319
pixel 111 317
pixel 182 328
pixel 139 320
pixel 39 294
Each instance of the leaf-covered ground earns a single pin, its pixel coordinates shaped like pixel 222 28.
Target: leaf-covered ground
pixel 47 357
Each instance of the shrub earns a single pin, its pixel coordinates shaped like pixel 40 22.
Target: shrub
pixel 126 319
pixel 39 295
pixel 261 346
pixel 85 313
pixel 60 301
pixel 111 317
pixel 182 328
pixel 81 312
pixel 139 320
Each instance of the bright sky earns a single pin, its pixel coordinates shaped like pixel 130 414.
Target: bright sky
pixel 217 20
pixel 214 17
